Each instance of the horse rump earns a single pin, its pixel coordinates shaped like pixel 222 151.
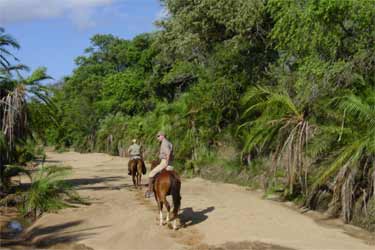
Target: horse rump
pixel 168 183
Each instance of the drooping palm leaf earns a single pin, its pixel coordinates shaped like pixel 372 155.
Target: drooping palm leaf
pixel 354 157
pixel 275 122
pixel 5 42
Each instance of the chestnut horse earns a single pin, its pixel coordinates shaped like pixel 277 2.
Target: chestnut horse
pixel 167 182
pixel 137 167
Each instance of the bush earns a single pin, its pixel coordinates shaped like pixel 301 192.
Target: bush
pixel 48 192
pixel 364 216
pixel 29 151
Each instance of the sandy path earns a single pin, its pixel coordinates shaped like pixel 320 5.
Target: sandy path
pixel 216 216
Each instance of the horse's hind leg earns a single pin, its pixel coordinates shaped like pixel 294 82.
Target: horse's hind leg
pixel 174 216
pixel 138 169
pixel 141 169
pixel 168 208
pixel 139 177
pixel 134 180
pixel 160 203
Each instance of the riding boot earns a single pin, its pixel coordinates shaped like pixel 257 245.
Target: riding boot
pixel 150 183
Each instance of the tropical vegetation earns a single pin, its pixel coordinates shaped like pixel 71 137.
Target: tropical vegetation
pixel 279 89
pixel 19 96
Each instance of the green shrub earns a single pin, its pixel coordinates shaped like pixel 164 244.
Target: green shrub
pixel 48 192
pixel 29 151
pixel 364 216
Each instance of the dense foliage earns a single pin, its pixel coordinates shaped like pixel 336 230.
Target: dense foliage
pixel 22 102
pixel 14 92
pixel 290 83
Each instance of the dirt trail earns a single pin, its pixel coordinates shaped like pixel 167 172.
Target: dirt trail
pixel 216 216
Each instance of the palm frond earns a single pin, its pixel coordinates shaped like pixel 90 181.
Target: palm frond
pixel 47 191
pixel 356 107
pixel 349 155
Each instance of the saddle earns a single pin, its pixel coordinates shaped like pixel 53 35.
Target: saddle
pixel 167 169
pixel 157 175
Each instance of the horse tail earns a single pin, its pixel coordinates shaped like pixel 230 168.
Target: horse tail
pixel 144 169
pixel 175 192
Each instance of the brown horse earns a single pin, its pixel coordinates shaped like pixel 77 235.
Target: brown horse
pixel 137 167
pixel 167 183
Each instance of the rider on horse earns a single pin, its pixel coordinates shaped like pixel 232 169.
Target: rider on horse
pixel 166 157
pixel 135 152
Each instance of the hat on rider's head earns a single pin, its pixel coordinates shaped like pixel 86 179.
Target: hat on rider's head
pixel 134 140
pixel 160 133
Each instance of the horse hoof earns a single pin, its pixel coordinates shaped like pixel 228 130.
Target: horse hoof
pixel 172 227
pixel 175 225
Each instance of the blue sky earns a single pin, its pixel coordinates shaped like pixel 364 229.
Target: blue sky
pixel 54 32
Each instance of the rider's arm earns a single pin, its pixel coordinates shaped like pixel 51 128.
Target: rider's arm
pixel 168 155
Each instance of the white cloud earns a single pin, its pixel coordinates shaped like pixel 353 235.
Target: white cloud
pixel 79 11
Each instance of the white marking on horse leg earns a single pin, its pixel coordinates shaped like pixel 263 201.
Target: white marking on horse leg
pixel 175 224
pixel 167 220
pixel 161 218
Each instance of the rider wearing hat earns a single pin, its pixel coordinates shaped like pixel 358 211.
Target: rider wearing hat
pixel 135 152
pixel 166 157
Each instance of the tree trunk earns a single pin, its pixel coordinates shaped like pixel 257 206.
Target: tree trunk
pixel 1 174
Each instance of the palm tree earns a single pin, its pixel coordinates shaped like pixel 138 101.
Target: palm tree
pixel 6 57
pixel 274 123
pixel 13 107
pixel 352 168
pixel 14 92
pixel 5 69
pixel 6 41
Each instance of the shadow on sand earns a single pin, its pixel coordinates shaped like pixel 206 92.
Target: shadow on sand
pixel 190 217
pixel 51 235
